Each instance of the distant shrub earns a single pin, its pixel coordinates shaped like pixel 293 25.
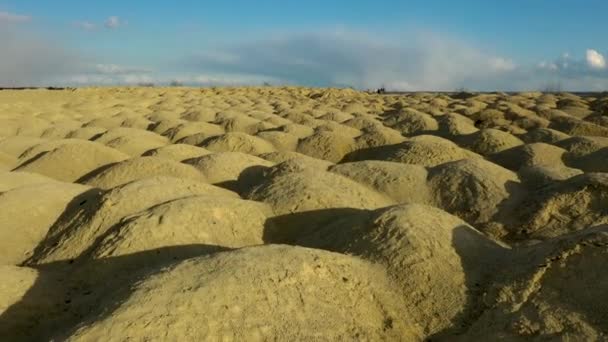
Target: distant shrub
pixel 176 84
pixel 146 84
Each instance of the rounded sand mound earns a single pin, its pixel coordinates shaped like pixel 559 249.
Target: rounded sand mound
pixel 178 152
pixel 16 145
pixel 60 163
pixel 424 150
pixel 535 154
pixel 28 213
pixel 475 190
pixel 190 128
pixel 80 227
pixel 217 300
pixel 302 159
pixel 440 263
pixel 233 170
pixel 317 196
pixel 544 135
pixel 280 140
pixel 327 145
pixel 197 220
pixel 488 141
pixel 238 142
pixel 553 290
pixel 137 168
pixel 404 183
pixel 563 207
pixel 14 180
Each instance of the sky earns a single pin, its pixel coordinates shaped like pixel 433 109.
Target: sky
pixel 440 45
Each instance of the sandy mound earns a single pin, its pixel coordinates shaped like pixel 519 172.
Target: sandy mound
pixel 178 152
pixel 44 203
pixel 78 229
pixel 411 122
pixel 553 291
pixel 86 133
pixel 403 183
pixel 476 190
pixel 563 207
pixel 280 140
pixel 16 145
pixel 544 135
pixel 300 131
pixel 190 128
pixel 535 154
pixel 327 145
pixel 439 261
pixel 59 163
pixel 137 168
pixel 378 136
pixel 238 142
pixel 424 150
pixel 214 221
pixel 316 195
pixel 233 170
pixel 581 146
pixel 14 180
pixel 454 124
pixel 7 161
pixel 210 293
pixel 593 162
pixel 488 141
pixel 302 159
pixel 539 176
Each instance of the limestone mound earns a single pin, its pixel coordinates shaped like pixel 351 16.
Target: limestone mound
pixel 238 142
pixel 177 152
pixel 75 232
pixel 476 190
pixel 410 122
pixel 440 263
pixel 403 183
pixel 137 168
pixel 424 150
pixel 535 154
pixel 27 214
pixel 330 146
pixel 70 162
pixel 233 170
pixel 216 300
pixel 378 136
pixel 214 221
pixel 488 141
pixel 125 132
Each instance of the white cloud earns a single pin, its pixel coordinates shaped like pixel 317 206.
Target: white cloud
pixel 85 25
pixel 6 17
pixel 595 60
pixel 114 22
pixel 502 64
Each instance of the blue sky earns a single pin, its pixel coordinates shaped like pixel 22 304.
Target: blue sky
pixel 407 45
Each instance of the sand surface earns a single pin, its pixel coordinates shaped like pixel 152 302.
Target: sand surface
pixel 273 214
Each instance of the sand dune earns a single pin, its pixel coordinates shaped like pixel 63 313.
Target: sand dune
pixel 302 214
